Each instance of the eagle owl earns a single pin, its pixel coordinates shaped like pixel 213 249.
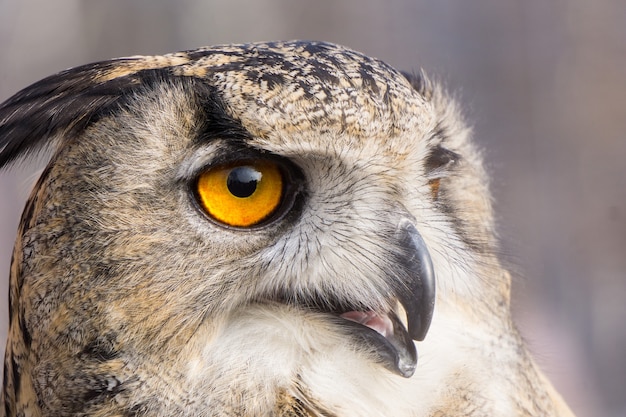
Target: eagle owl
pixel 270 229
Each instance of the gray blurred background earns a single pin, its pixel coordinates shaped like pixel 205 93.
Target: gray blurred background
pixel 543 83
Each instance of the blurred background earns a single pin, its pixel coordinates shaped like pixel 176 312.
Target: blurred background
pixel 542 82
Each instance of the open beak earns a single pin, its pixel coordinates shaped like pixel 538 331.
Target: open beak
pixel 390 340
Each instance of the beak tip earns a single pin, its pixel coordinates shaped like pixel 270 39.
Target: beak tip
pixel 418 298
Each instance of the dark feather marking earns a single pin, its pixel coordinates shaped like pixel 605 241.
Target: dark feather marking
pixel 26 336
pixel 366 71
pixel 440 157
pixel 136 410
pixel 66 103
pixel 216 122
pixel 33 115
pixel 4 394
pixel 12 302
pixel 102 348
pixel 420 83
pixel 17 378
pixel 5 376
pixel 101 389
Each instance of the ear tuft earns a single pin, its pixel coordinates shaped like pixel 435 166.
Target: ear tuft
pixel 64 104
pixel 420 82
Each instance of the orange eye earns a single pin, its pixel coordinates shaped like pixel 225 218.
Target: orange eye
pixel 243 194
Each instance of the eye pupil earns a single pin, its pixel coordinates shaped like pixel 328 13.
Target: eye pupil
pixel 242 181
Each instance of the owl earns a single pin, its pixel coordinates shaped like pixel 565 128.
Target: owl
pixel 268 229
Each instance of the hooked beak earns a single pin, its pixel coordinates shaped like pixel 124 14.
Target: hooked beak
pixel 389 339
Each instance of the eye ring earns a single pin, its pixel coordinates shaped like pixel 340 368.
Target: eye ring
pixel 244 193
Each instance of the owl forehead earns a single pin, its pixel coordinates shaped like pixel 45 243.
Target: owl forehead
pixel 280 93
pixel 292 87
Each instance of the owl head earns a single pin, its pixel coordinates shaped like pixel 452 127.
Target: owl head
pixel 261 229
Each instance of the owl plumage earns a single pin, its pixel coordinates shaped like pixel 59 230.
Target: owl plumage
pixel 136 290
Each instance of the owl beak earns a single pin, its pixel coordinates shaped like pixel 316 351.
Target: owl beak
pixel 417 292
pixel 389 341
pixel 414 290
